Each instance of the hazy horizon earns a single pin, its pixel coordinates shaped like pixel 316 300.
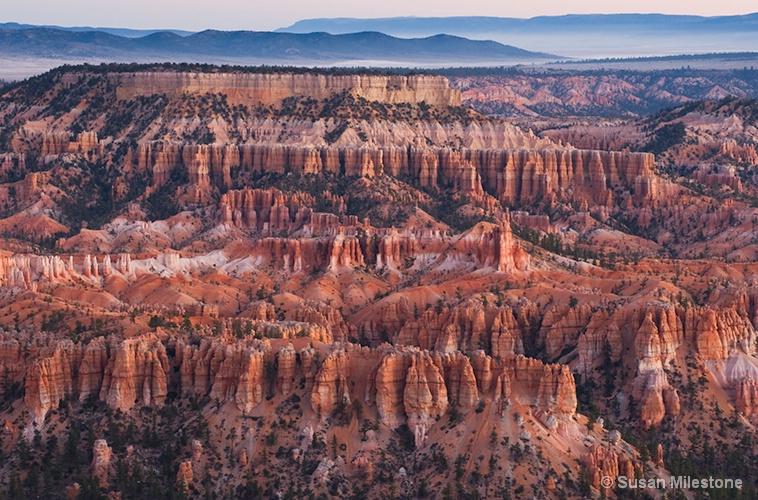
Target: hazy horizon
pixel 196 15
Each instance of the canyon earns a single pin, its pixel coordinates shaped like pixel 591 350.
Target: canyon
pixel 345 284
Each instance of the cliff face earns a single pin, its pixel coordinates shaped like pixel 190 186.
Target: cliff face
pixel 550 387
pixel 515 176
pixel 50 380
pixel 419 386
pixel 12 360
pixel 405 385
pixel 492 246
pixel 409 384
pixel 425 395
pixel 723 339
pixel 656 337
pixel 270 211
pixel 655 347
pixel 272 89
pixel 316 244
pixel 123 374
pixel 605 462
pixel 136 374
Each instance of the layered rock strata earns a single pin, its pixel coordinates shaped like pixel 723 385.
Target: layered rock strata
pixel 271 89
pixel 512 175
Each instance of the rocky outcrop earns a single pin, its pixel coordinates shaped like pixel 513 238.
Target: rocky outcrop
pixel 253 89
pixel 746 397
pixel 492 246
pixel 270 212
pixel 550 387
pixel 344 252
pixel 722 177
pixel 658 456
pixel 123 374
pixel 561 327
pixel 418 387
pixel 54 143
pixel 85 143
pixel 12 358
pixel 51 379
pixel 101 462
pixel 28 271
pixel 227 373
pixel 460 381
pixel 244 372
pixel 425 395
pixel 603 462
pixel 539 223
pixel 406 385
pixel 467 327
pixel 184 475
pixel 445 330
pixel 330 388
pixel 657 339
pixel 720 332
pixel 393 249
pixel 390 389
pixel 24 271
pixel 72 491
pixel 59 142
pixel 286 368
pixel 91 369
pixel 137 373
pixel 725 340
pixel 515 176
pixel 505 335
pixel 319 313
pixel 12 165
pixel 601 339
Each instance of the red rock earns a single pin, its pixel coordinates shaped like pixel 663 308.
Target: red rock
pixel 330 386
pixel 184 476
pixel 136 373
pixel 605 462
pixel 101 462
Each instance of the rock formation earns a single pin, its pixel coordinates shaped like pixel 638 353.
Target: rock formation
pixel 330 388
pixel 425 395
pixel 253 89
pixel 136 374
pixel 512 175
pixel 605 462
pixel 101 462
pixel 311 268
pixel 185 475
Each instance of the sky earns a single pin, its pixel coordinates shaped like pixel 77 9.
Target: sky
pixel 266 15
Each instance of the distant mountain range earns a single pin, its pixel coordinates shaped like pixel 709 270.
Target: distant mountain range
pixel 422 42
pixel 260 47
pixel 125 32
pixel 419 26
pixel 591 35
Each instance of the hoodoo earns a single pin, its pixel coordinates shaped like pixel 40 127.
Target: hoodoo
pixel 257 282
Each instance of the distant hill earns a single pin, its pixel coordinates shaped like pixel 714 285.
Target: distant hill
pixel 250 46
pixel 415 26
pixel 591 35
pixel 125 32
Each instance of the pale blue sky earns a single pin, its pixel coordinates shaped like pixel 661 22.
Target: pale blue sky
pixel 272 14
